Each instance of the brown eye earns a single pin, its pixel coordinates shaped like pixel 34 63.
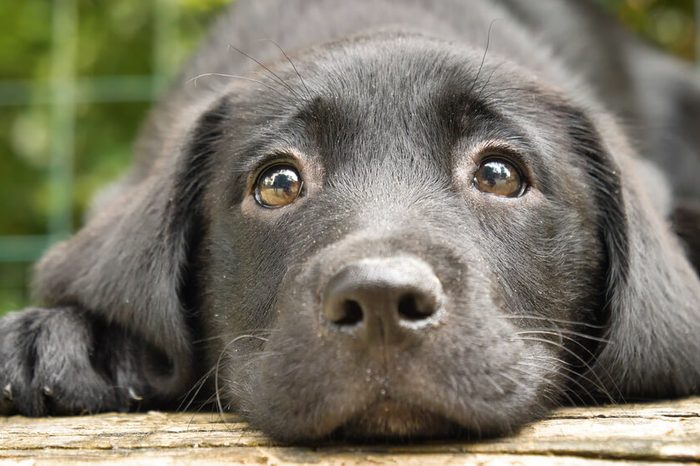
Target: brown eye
pixel 499 177
pixel 278 186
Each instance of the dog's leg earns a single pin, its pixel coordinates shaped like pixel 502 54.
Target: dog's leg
pixel 64 361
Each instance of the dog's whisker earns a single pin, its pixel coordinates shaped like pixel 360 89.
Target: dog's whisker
pixel 259 333
pixel 266 68
pixel 599 382
pixel 495 385
pixel 549 384
pixel 488 80
pixel 571 379
pixel 575 373
pixel 217 389
pixel 234 76
pixel 217 392
pixel 552 319
pixel 564 334
pixel 483 57
pixel 194 391
pixel 303 83
pixel 574 334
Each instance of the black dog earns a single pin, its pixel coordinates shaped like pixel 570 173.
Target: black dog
pixel 421 219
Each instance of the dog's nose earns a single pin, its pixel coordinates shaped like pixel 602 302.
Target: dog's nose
pixel 383 299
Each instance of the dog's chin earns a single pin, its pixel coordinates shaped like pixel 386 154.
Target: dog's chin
pixel 389 419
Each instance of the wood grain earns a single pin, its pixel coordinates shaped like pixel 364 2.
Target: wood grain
pixel 667 432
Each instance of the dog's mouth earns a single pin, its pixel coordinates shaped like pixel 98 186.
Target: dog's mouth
pixel 391 419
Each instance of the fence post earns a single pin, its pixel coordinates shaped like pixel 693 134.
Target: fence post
pixel 62 118
pixel 166 50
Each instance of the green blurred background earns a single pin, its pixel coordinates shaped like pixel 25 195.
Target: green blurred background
pixel 77 77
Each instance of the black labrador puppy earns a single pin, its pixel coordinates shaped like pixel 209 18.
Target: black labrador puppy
pixel 386 218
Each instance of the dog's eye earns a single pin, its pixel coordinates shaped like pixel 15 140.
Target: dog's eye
pixel 278 186
pixel 500 177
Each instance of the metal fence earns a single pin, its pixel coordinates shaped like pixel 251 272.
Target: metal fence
pixel 65 90
pixel 62 93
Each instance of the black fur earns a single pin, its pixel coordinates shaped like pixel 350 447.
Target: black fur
pixel 182 288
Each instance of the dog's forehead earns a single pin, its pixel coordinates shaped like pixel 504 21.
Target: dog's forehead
pixel 396 72
pixel 373 103
pixel 392 91
pixel 381 73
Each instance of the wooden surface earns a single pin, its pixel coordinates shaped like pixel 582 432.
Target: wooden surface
pixel 665 433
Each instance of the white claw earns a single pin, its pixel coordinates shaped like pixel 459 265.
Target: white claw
pixel 7 391
pixel 134 396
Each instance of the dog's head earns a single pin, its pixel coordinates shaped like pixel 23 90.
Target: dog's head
pixel 395 237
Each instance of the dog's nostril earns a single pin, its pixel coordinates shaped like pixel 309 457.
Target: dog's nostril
pixel 382 299
pixel 351 313
pixel 411 308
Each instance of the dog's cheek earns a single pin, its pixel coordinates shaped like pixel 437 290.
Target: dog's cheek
pixel 548 259
pixel 548 267
pixel 244 259
pixel 292 391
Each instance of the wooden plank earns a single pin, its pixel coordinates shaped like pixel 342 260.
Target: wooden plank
pixel 658 433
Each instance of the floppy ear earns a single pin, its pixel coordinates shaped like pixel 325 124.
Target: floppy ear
pixel 686 223
pixel 127 265
pixel 653 295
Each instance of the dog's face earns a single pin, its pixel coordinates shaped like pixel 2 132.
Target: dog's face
pixel 405 243
pixel 411 240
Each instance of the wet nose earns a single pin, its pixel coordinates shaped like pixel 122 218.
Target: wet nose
pixel 383 299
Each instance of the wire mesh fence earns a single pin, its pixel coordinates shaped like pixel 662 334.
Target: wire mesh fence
pixel 63 96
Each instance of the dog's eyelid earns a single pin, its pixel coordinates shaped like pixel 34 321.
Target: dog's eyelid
pixel 259 163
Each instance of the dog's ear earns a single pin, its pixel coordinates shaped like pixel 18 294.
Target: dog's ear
pixel 686 223
pixel 653 293
pixel 127 264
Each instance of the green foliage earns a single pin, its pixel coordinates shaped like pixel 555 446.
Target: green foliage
pixel 120 59
pixel 125 51
pixel 666 22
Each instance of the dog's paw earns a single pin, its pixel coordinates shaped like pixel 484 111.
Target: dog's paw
pixel 60 361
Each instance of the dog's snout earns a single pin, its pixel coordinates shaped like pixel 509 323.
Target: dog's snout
pixel 383 298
